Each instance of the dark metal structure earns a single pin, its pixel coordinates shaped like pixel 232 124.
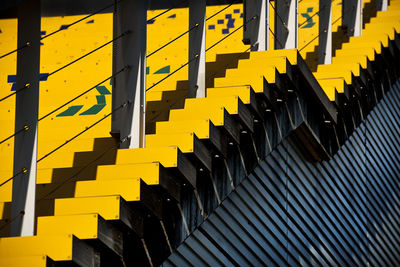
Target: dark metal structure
pixel 289 211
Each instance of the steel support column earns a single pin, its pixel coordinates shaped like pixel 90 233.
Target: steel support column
pixel 382 5
pixel 286 24
pixel 129 86
pixel 325 32
pixel 26 116
pixel 197 48
pixel 255 31
pixel 352 17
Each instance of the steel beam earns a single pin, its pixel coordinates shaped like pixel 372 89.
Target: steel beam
pixel 286 24
pixel 129 86
pixel 382 5
pixel 352 17
pixel 256 24
pixel 197 48
pixel 26 116
pixel 325 32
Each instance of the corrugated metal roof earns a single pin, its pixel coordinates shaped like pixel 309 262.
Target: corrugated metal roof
pixel 290 211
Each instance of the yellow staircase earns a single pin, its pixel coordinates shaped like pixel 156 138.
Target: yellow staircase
pixel 83 189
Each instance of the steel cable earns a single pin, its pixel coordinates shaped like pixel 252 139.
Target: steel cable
pixel 24 170
pixel 191 60
pixel 65 104
pixel 186 32
pixel 61 29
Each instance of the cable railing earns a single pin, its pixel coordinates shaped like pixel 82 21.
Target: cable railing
pixel 87 128
pixel 51 34
pixel 278 16
pixel 188 31
pixel 78 59
pixel 98 48
pixel 61 29
pixel 196 56
pixel 82 132
pixel 27 127
pixel 114 146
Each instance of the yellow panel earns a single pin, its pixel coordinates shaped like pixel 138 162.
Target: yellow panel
pixel 44 176
pixel 361 46
pixel 230 103
pixel 377 30
pixel 243 92
pixel 338 83
pixel 129 189
pixel 349 52
pixel 290 54
pixel 340 67
pixel 59 247
pixel 256 66
pixel 215 114
pixel 148 172
pixel 108 207
pixel 260 63
pixel 200 127
pixel 83 226
pixel 185 141
pixel 345 74
pixel 6 192
pixel 167 156
pixel 361 59
pixel 37 261
pixel 256 80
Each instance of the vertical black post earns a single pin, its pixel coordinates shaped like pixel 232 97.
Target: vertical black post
pixel 197 48
pixel 129 86
pixel 26 115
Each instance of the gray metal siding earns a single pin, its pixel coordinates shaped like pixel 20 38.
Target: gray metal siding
pixel 290 211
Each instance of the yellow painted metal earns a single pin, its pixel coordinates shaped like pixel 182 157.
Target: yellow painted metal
pixel 129 189
pixel 255 67
pixel 36 261
pixel 200 127
pixel 350 52
pixel 165 95
pixel 354 67
pixel 385 26
pixel 377 31
pixel 167 156
pixel 148 172
pixel 377 46
pixel 337 83
pixel 107 207
pixel 361 59
pixel 290 54
pixel 101 196
pixel 57 247
pixel 185 141
pixel 83 226
pixel 215 114
pixel 243 92
pixel 230 103
pixel 246 66
pixel 370 40
pixel 330 91
pixel 344 74
pixel 256 80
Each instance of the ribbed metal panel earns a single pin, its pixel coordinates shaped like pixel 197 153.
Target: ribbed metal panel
pixel 290 211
